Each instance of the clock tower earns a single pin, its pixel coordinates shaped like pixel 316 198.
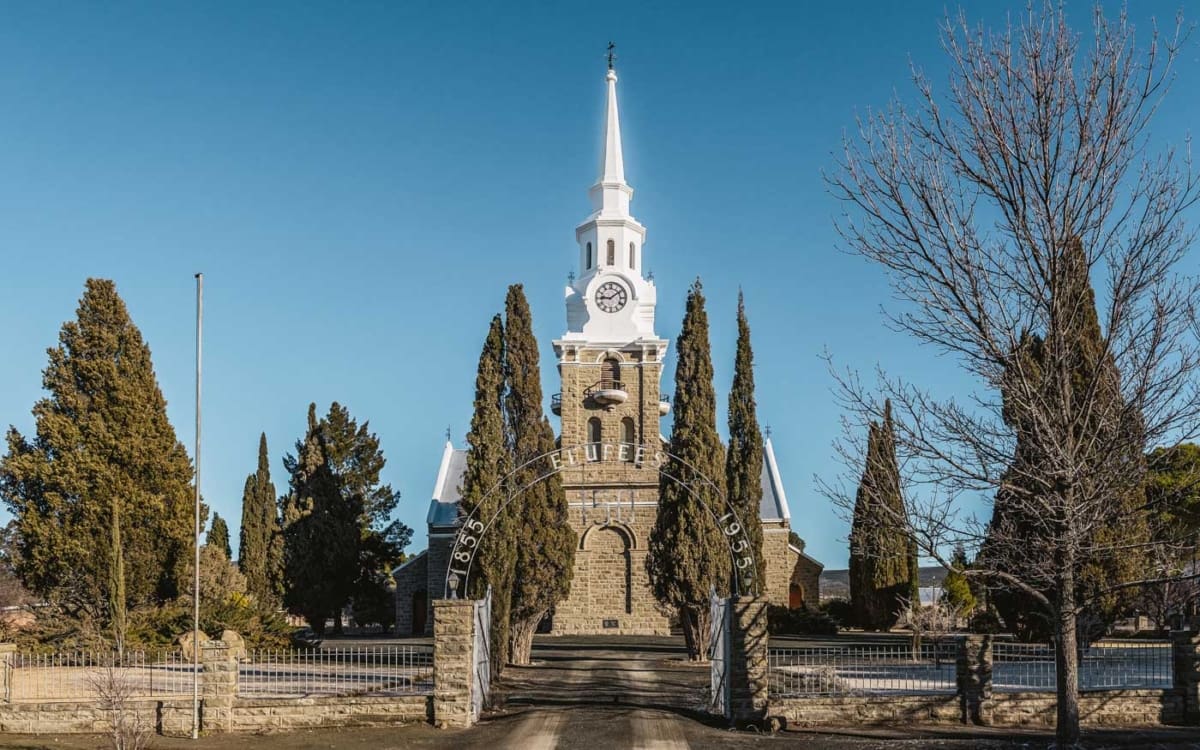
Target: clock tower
pixel 610 361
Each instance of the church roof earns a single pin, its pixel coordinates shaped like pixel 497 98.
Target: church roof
pixel 443 510
pixel 774 505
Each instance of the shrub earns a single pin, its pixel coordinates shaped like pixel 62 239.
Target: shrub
pixel 803 621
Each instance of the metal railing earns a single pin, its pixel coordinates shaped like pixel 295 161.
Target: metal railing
pixel 604 385
pixel 379 670
pixel 85 675
pixel 1105 665
pixel 886 669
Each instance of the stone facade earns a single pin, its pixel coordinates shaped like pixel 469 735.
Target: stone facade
pixel 412 594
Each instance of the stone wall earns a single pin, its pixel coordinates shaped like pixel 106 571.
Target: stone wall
pixel 174 717
pixel 807 575
pixel 410 578
pixel 1102 708
pixel 779 561
pixel 279 714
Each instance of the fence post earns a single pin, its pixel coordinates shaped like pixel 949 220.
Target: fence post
pixel 974 676
pixel 1185 648
pixel 453 646
pixel 218 685
pixel 7 654
pixel 748 660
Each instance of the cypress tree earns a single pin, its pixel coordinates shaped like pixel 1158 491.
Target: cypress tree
pixel 487 462
pixel 688 553
pixel 881 551
pixel 744 460
pixel 218 536
pixel 340 541
pixel 1019 538
pixel 102 495
pixel 545 543
pixel 259 553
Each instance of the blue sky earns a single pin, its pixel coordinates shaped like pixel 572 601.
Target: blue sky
pixel 360 182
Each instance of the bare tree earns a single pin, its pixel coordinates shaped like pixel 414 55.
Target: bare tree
pixel 981 203
pixel 116 691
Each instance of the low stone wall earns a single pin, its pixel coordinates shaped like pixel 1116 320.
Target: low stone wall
pixel 70 717
pixel 1096 708
pixel 868 710
pixel 278 714
pixel 174 717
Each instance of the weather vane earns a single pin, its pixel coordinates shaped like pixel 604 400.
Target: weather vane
pixel 612 56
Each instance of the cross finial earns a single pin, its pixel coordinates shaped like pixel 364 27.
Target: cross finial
pixel 767 431
pixel 448 433
pixel 612 56
pixel 570 277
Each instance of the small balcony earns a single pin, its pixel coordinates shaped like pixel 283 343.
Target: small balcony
pixel 664 404
pixel 556 404
pixel 607 393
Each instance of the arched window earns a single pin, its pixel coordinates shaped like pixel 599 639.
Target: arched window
pixel 612 253
pixel 628 434
pixel 612 371
pixel 594 435
pixel 589 256
pixel 632 257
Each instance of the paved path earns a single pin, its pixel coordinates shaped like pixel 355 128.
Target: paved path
pixel 598 693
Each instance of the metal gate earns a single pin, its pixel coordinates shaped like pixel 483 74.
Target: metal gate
pixel 481 665
pixel 718 653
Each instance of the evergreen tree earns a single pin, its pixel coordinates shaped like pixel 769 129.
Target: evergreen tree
pixel 259 550
pixel 688 553
pixel 744 461
pixel 881 552
pixel 102 495
pixel 340 541
pixel 956 589
pixel 487 462
pixel 218 536
pixel 545 543
pixel 1019 534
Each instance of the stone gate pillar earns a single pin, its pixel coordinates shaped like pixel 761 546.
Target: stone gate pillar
pixel 748 660
pixel 974 676
pixel 453 648
pixel 1185 646
pixel 218 686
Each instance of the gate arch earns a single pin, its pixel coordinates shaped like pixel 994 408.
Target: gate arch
pixel 473 528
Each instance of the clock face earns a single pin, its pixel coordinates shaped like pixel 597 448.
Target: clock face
pixel 611 297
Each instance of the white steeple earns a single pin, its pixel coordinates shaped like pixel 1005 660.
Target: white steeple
pixel 611 301
pixel 611 194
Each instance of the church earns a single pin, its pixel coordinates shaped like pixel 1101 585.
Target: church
pixel 610 361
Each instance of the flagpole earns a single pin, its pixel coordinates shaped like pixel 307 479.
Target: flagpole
pixel 196 538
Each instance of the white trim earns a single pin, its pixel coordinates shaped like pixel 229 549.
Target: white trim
pixel 776 480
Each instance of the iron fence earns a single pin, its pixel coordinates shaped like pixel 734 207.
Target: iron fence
pixel 886 669
pixel 1104 665
pixel 380 670
pixel 90 675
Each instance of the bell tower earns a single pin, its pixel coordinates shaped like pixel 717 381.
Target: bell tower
pixel 609 357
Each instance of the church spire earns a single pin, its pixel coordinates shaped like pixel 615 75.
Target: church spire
pixel 612 168
pixel 610 195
